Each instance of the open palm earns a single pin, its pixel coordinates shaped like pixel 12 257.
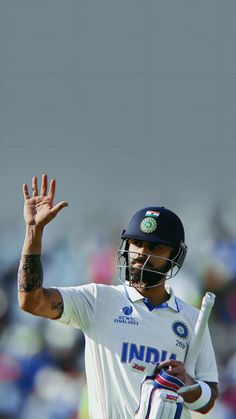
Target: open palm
pixel 39 209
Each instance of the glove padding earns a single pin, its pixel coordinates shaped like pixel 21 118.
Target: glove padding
pixel 156 403
pixel 167 381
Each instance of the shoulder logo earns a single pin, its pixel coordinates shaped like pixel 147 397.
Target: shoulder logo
pixel 180 329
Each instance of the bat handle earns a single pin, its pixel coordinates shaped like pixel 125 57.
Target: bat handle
pixel 210 298
pixel 199 330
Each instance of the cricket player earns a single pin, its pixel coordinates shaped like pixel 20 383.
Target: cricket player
pixel 139 322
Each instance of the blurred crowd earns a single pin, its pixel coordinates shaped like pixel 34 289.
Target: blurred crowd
pixel 42 362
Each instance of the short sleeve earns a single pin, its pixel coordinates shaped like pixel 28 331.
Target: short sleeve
pixel 79 305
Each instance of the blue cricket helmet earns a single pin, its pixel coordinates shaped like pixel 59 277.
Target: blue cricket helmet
pixel 158 225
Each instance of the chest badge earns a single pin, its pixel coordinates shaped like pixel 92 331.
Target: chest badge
pixel 180 329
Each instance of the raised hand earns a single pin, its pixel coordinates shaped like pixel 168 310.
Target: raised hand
pixel 39 209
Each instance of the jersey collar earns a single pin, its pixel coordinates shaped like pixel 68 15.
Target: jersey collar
pixel 134 296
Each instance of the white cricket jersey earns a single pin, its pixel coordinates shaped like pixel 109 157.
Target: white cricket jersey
pixel 119 325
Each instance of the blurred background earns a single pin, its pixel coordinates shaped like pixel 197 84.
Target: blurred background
pixel 127 104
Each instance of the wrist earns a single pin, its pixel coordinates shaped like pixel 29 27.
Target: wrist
pixel 33 240
pixel 203 399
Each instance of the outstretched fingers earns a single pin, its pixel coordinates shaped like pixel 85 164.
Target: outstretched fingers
pixel 34 186
pixel 58 207
pixel 43 193
pixel 44 185
pixel 52 189
pixel 26 191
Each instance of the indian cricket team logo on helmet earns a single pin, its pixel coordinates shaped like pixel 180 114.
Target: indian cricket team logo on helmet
pixel 148 225
pixel 153 225
pixel 180 329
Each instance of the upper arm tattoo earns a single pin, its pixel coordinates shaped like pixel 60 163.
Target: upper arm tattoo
pixel 30 274
pixel 58 307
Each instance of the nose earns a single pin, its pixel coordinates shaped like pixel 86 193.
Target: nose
pixel 144 248
pixel 142 253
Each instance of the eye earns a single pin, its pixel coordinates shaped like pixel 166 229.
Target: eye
pixel 137 243
pixel 155 246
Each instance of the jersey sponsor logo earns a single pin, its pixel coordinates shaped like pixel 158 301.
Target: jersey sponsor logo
pixel 138 367
pixel 180 329
pixel 144 353
pixel 172 397
pixel 126 317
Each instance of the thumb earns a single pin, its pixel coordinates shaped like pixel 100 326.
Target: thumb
pixel 58 207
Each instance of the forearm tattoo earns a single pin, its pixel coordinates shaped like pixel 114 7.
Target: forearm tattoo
pixel 30 274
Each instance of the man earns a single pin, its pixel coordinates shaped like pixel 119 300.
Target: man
pixel 139 319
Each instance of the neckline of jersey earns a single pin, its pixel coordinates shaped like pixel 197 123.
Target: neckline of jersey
pixel 134 296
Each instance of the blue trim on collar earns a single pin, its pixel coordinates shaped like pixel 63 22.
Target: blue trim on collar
pixel 177 305
pixel 127 294
pixel 133 296
pixel 154 307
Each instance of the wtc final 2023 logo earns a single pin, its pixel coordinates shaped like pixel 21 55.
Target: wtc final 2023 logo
pixel 126 318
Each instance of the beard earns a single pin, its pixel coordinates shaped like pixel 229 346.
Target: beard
pixel 148 277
